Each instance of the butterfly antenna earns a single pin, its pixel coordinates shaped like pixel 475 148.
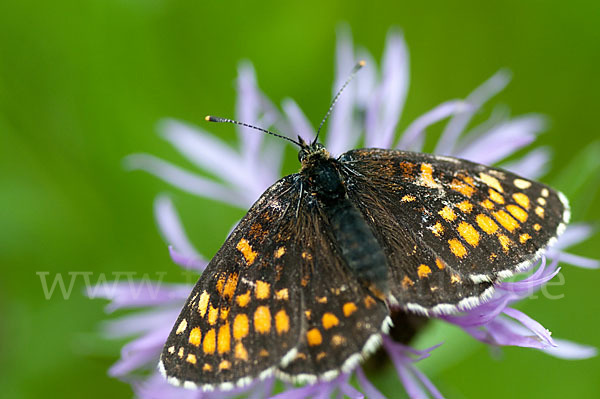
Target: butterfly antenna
pixel 356 68
pixel 211 118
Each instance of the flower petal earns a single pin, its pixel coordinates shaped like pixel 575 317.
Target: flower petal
pixel 570 350
pixel 410 138
pixel 205 150
pixel 573 235
pixel 300 124
pixel 387 104
pixel 142 322
pixel 533 165
pixel 502 140
pixel 182 179
pixel 368 388
pixel 172 229
pixel 187 262
pixel 447 143
pixel 530 324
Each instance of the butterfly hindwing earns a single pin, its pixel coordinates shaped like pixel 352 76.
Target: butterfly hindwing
pixel 342 321
pixel 450 227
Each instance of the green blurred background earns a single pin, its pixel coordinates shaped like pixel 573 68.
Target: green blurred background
pixel 83 84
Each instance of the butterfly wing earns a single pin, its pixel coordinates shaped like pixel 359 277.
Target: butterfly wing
pixel 243 314
pixel 450 228
pixel 275 298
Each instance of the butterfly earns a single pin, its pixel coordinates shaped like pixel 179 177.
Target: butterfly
pixel 304 286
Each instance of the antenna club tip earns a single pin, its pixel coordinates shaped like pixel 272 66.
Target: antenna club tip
pixel 362 63
pixel 207 118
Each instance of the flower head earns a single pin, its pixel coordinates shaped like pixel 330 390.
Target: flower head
pixel 369 111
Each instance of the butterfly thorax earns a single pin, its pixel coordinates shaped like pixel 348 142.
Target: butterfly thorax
pixel 355 240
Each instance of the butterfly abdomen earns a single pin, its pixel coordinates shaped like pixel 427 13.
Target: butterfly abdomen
pixel 360 249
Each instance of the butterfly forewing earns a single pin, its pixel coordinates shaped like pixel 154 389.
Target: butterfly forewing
pixel 243 315
pixel 450 227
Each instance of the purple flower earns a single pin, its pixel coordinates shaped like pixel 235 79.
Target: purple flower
pixel 369 109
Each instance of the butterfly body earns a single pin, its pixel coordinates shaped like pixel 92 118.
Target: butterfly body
pixel 304 285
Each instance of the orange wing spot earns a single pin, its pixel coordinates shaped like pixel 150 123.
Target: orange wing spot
pixel 469 180
pixel 455 278
pixel 439 263
pixel 282 322
pixel 349 308
pixel 423 271
pixel 263 290
pixel 457 248
pixel 522 184
pixel 244 247
pixel 262 320
pixel 462 188
pixel 408 198
pixel 210 342
pixel 195 336
pixel 314 338
pixel 224 339
pixel 207 367
pixel 491 181
pixel 465 206
pixel 537 227
pixel 306 255
pixel 279 252
pixel 191 358
pixel 406 282
pixel 407 170
pixel 181 327
pixel 487 204
pixel 224 313
pixel 517 212
pixel 427 176
pixel 521 199
pixel 307 313
pixel 320 356
pixel 221 284
pixel 447 213
pixel 212 315
pixel 486 224
pixel 338 340
pixel 369 302
pixel 180 352
pixel 437 229
pixel 506 220
pixel 263 353
pixel 524 237
pixel 322 299
pixel 329 320
pixel 468 233
pixel 224 365
pixel 505 242
pixel 240 326
pixel 492 257
pixel 282 294
pixel 539 211
pixel 230 285
pixel 496 196
pixel 241 352
pixel 243 299
pixel 203 303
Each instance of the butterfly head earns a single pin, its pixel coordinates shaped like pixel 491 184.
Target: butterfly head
pixel 310 151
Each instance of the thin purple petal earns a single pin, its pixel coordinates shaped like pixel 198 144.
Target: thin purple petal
pixel 502 140
pixel 142 322
pixel 533 165
pixel 183 179
pixel 248 110
pixel 171 227
pixel 570 350
pixel 343 132
pixel 573 235
pixel 187 262
pixel 576 260
pixel 207 151
pixel 530 324
pixel 369 389
pixel 140 352
pixel 300 123
pixel 416 129
pixel 385 109
pixel 136 293
pixel 448 141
